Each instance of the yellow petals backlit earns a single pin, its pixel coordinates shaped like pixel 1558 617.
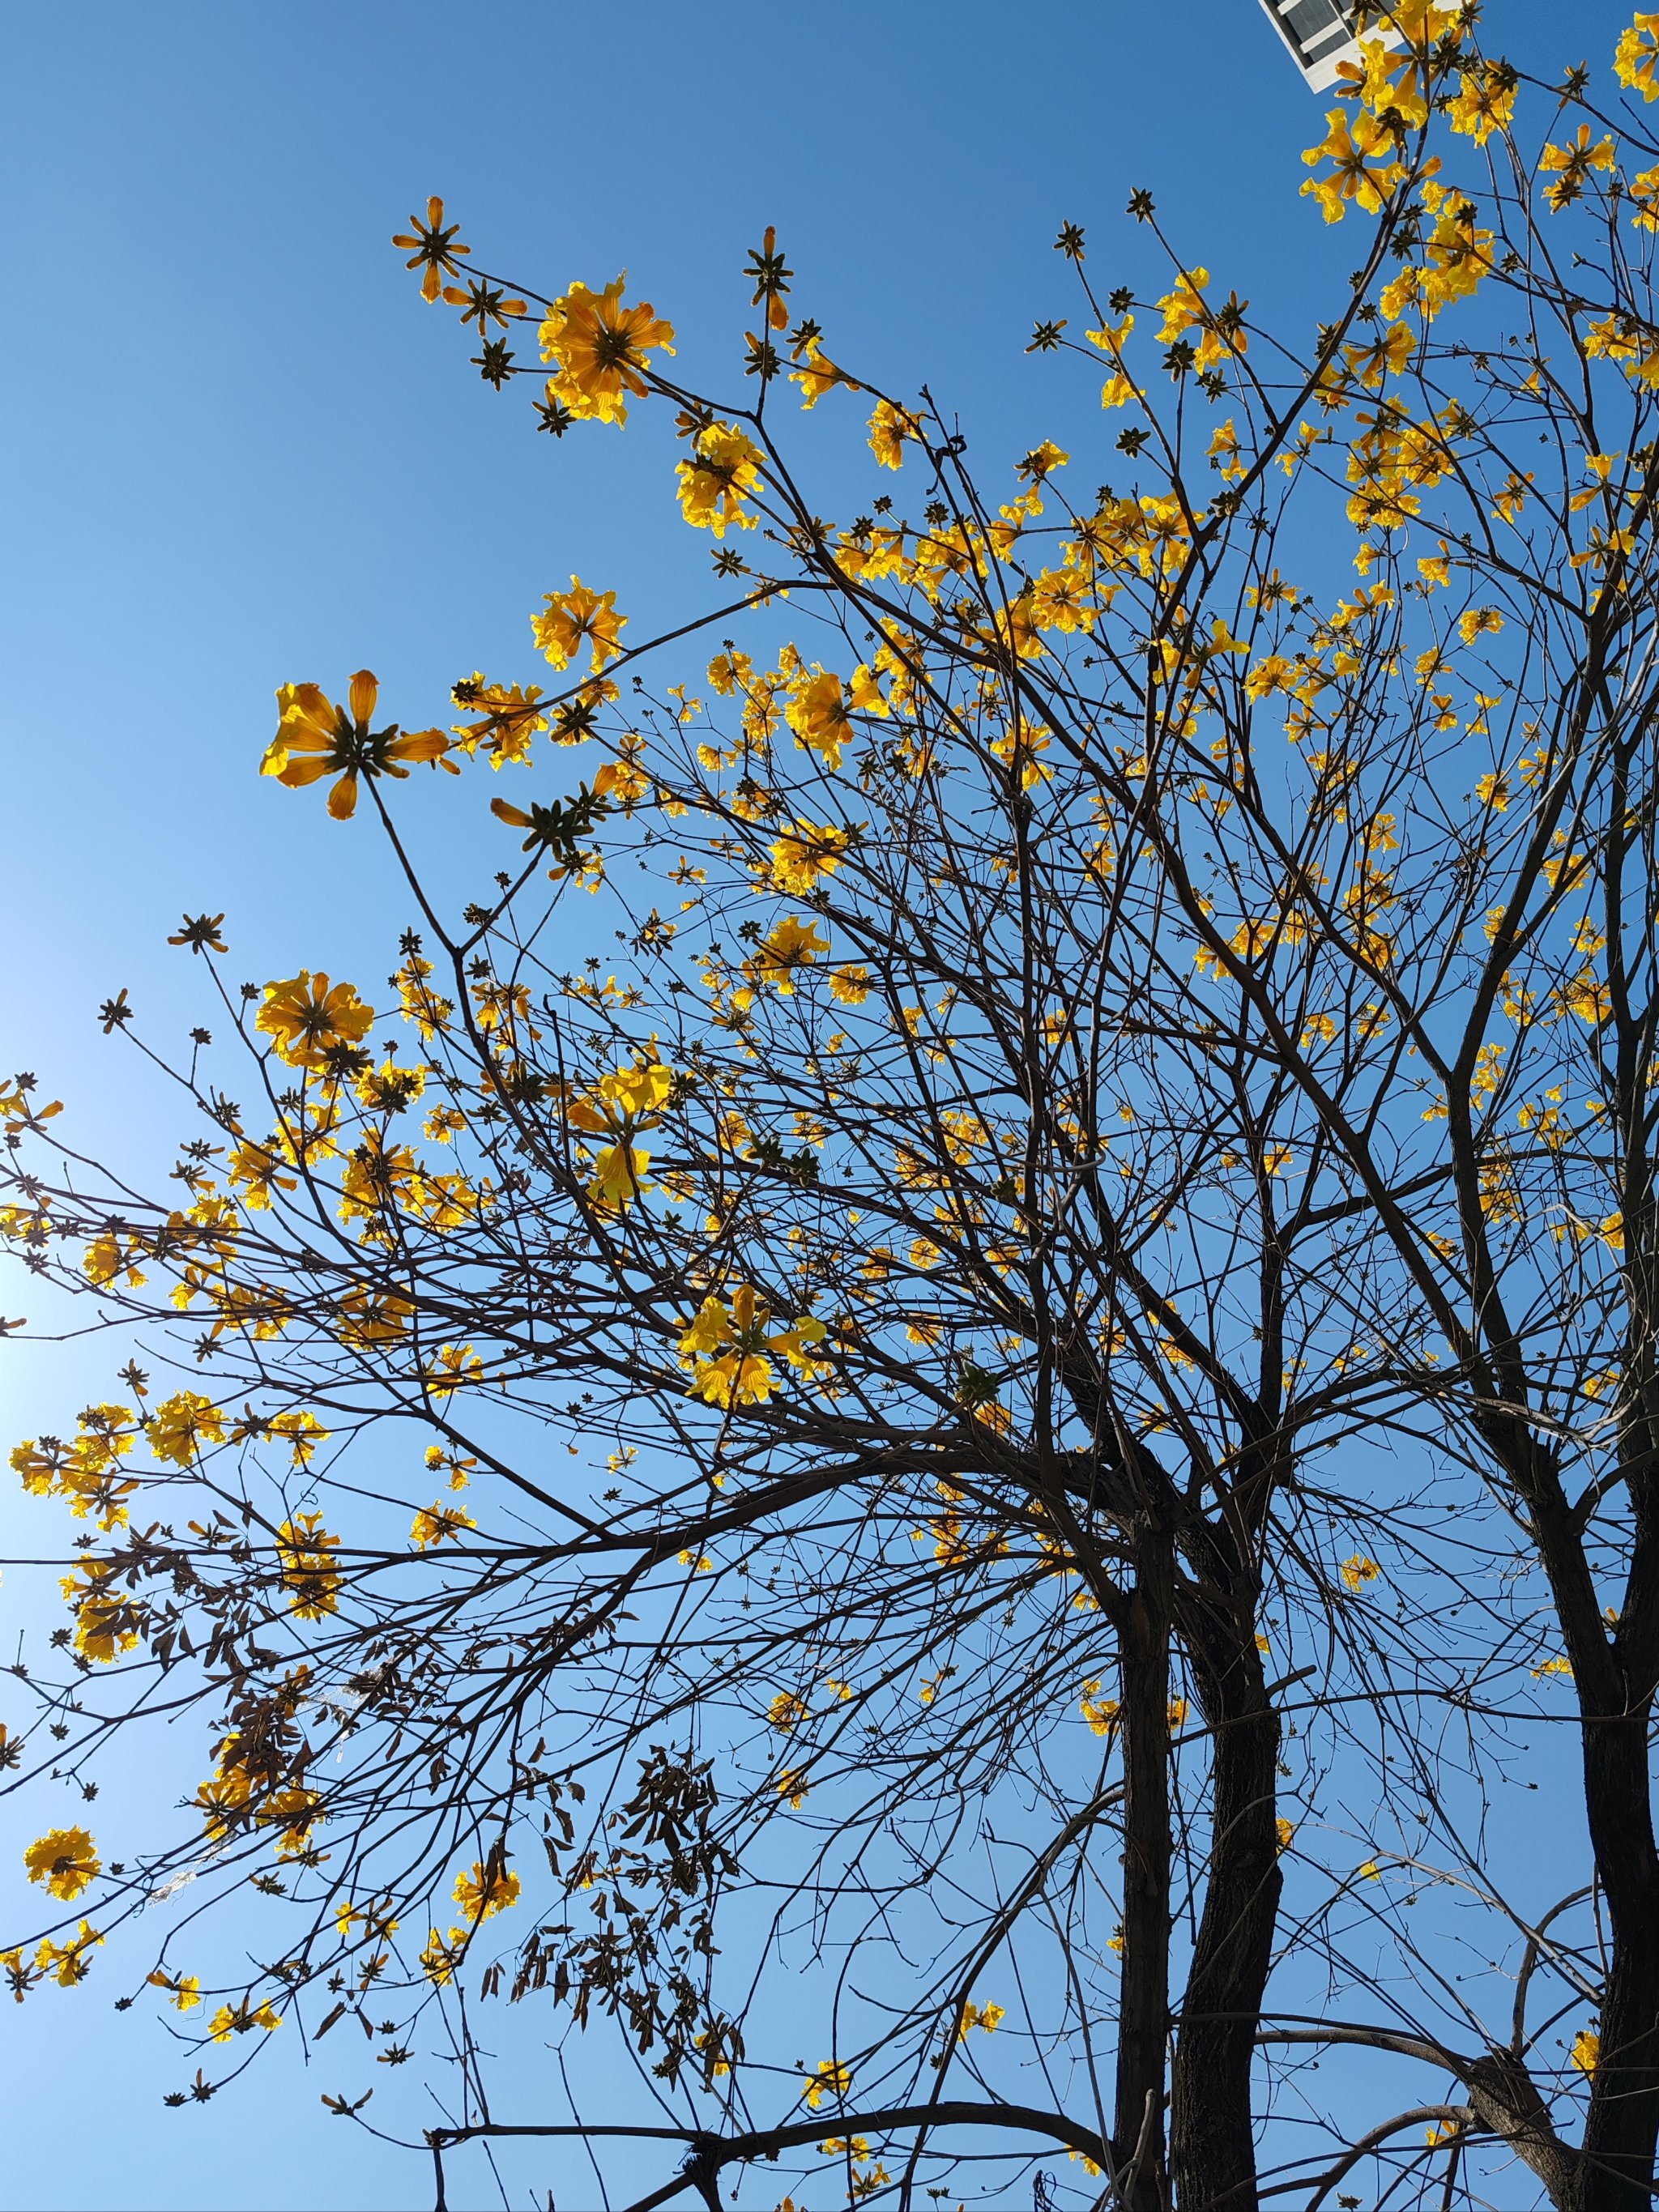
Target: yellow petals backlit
pixel 600 350
pixel 66 1860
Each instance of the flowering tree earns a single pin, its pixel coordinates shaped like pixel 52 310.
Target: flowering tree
pixel 1014 1404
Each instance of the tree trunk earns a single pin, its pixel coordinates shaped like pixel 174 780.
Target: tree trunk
pixel 1144 2007
pixel 1616 2172
pixel 1212 2141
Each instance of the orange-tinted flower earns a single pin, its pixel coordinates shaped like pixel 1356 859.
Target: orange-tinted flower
pixel 315 738
pixel 435 248
pixel 600 347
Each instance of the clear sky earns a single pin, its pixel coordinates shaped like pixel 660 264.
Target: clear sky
pixel 238 450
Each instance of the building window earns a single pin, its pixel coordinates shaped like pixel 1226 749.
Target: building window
pixel 1319 34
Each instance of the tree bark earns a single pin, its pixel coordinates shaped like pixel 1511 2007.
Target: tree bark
pixel 1212 2135
pixel 1144 2004
pixel 1616 2172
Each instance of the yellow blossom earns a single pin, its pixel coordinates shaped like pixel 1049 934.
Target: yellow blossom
pixel 182 1425
pixel 66 1860
pixel 1484 102
pixel 726 1350
pixel 67 1962
pixel 437 1523
pixel 722 472
pixel 1361 150
pixel 788 946
pixel 599 348
pixel 483 1892
pixel 805 852
pixel 186 1988
pixel 308 1021
pixel 619 1177
pixel 309 1574
pixel 889 426
pixel 577 617
pixel 314 737
pixel 239 2019
pixel 819 716
pixel 1572 165
pixel 833 2079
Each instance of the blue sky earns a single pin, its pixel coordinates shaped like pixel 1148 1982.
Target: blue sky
pixel 238 450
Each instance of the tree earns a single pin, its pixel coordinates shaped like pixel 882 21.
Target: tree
pixel 1106 1240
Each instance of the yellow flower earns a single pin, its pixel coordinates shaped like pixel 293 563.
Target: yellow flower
pixel 1060 601
pixel 302 1432
pixel 1635 55
pixel 1586 996
pixel 481 1894
pixel 1483 103
pixel 308 1022
pixel 186 1988
pixel 1587 2044
pixel 1350 146
pixel 786 1712
pixel 984 2016
pixel 308 1575
pixel 66 1860
pixel 599 348
pixel 889 426
pixel 837 2079
pixel 239 2019
pixel 106 1620
pixel 369 1317
pixel 1572 166
pixel 437 1522
pixel 440 1959
pixel 576 615
pixel 106 1257
pixel 850 986
pixel 726 1352
pixel 790 945
pixel 815 372
pixel 1360 1571
pixel 723 471
pixel 315 738
pixel 435 247
pixel 67 1962
pixel 1100 1713
pixel 818 715
pixel 182 1425
pixel 619 1177
pixel 805 853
